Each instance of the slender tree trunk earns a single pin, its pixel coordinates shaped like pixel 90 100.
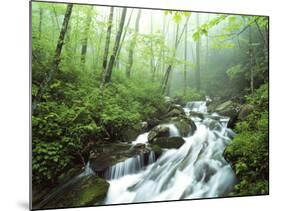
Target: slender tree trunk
pixel 123 38
pixel 152 68
pixel 132 45
pixel 198 43
pixel 56 18
pixel 107 40
pixel 185 65
pixel 177 42
pixel 85 39
pixel 56 59
pixel 40 22
pixel 108 72
pixel 169 69
pixel 251 61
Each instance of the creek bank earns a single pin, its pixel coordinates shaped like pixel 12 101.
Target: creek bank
pixel 235 110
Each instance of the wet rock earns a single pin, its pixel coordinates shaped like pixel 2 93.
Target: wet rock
pixel 185 125
pixel 112 153
pixel 158 131
pixel 168 142
pixel 174 111
pixel 157 150
pixel 229 109
pixel 86 191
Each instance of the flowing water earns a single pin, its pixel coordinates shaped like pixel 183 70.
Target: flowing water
pixel 196 170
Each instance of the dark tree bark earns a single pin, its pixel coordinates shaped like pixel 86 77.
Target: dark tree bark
pixel 56 59
pixel 132 46
pixel 40 23
pixel 108 72
pixel 251 60
pixel 107 40
pixel 85 39
pixel 198 43
pixel 170 66
pixel 123 38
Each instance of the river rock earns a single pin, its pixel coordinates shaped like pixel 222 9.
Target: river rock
pixel 110 154
pixel 245 111
pixel 87 191
pixel 175 110
pixel 184 124
pixel 168 142
pixel 158 131
pixel 229 109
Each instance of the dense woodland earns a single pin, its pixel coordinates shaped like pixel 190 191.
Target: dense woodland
pixel 98 72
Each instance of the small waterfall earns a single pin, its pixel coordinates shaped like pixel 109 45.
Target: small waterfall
pixel 87 171
pixel 197 106
pixel 151 158
pixel 173 130
pixel 141 139
pixel 129 166
pixel 196 170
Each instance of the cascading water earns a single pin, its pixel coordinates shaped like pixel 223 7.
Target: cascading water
pixel 196 170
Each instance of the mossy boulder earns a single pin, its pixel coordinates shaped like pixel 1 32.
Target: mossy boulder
pixel 168 142
pixel 184 124
pixel 158 131
pixel 90 191
pixel 230 109
pixel 157 150
pixel 86 191
pixel 174 110
pixel 245 111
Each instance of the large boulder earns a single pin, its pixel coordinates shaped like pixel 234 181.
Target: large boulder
pixel 230 109
pixel 159 131
pixel 168 142
pixel 184 124
pixel 107 155
pixel 174 111
pixel 85 191
pixel 245 111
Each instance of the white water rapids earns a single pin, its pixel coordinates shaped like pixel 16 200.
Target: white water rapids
pixel 196 170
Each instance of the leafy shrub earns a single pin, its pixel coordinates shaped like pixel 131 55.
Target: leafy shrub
pixel 248 151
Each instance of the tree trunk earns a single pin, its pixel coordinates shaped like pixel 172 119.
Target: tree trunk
pixel 132 45
pixel 198 83
pixel 177 42
pixel 85 39
pixel 107 40
pixel 56 59
pixel 251 61
pixel 108 72
pixel 123 38
pixel 40 23
pixel 185 65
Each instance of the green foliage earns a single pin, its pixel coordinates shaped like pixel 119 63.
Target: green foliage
pixel 248 151
pixel 190 95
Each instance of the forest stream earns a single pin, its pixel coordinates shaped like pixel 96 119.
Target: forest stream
pixel 195 170
pixel 119 107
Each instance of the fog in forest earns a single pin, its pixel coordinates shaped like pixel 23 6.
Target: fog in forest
pixel 131 101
